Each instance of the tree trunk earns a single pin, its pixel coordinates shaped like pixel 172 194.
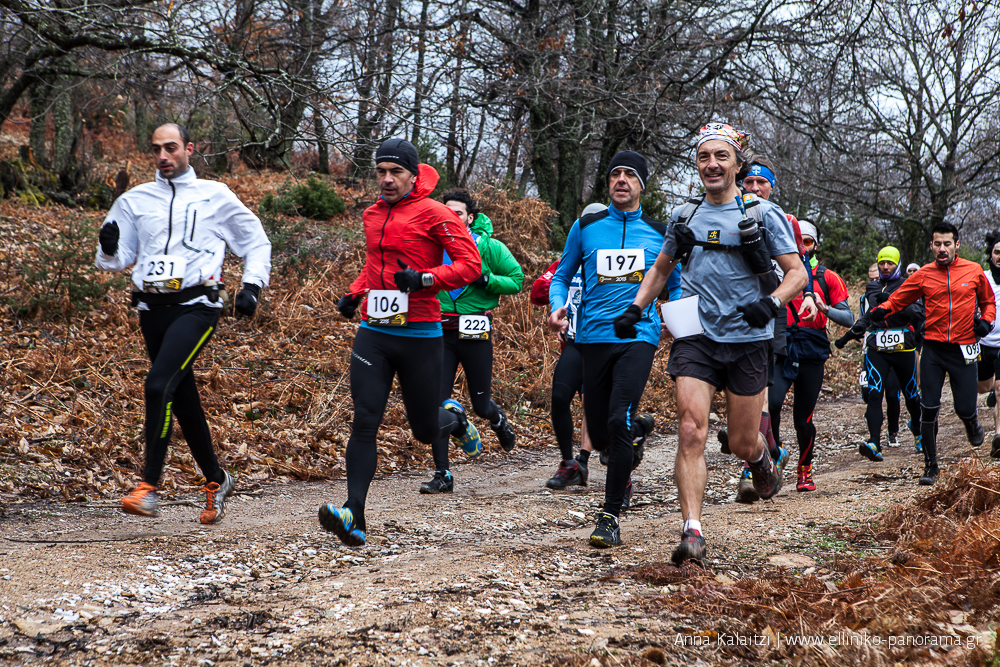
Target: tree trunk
pixel 418 86
pixel 321 146
pixel 39 121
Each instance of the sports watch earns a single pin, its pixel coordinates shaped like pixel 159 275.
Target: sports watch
pixel 776 301
pixel 427 279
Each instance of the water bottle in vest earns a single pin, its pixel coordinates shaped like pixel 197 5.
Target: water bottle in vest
pixel 752 243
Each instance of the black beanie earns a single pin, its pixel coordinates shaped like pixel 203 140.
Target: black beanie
pixel 401 152
pixel 630 160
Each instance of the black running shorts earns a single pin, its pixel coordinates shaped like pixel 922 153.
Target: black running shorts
pixel 742 368
pixel 989 363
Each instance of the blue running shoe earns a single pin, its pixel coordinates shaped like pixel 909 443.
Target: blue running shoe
pixel 745 493
pixel 469 441
pixel 782 460
pixel 870 451
pixel 340 522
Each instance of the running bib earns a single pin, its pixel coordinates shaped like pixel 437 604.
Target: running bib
pixel 970 351
pixel 863 379
pixel 474 327
pixel 889 340
pixel 387 308
pixel 163 273
pixel 627 265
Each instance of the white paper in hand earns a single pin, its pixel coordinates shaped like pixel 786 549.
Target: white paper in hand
pixel 681 317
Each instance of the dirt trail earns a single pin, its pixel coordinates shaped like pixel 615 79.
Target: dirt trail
pixel 500 573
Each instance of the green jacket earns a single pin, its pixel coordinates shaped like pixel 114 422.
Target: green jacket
pixel 505 275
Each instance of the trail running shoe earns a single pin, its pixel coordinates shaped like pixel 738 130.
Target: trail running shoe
pixel 766 477
pixel 628 496
pixel 607 533
pixel 781 461
pixel 870 451
pixel 469 441
pixel 340 522
pixel 215 499
pixel 805 482
pixel 893 440
pixel 692 547
pixel 570 473
pixel 995 447
pixel 505 434
pixel 443 482
pixel 723 437
pixel 930 475
pixel 142 501
pixel 603 457
pixel 974 432
pixel 991 400
pixel 646 423
pixel 745 493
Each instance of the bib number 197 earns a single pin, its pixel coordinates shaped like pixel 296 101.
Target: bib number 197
pixel 387 308
pixel 627 265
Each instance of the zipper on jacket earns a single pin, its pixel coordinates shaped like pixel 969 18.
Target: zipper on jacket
pixel 624 224
pixel 194 221
pixel 170 217
pixel 947 272
pixel 380 248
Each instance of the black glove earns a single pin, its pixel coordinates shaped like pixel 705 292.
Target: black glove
pixel 482 281
pixel 109 238
pixel 407 280
pixel 878 314
pixel 246 300
pixel 982 328
pixel 348 305
pixel 843 340
pixel 625 323
pixel 759 313
pixel 881 298
pixel 857 330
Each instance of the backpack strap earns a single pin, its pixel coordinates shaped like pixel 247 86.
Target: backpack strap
pixel 687 211
pixel 821 279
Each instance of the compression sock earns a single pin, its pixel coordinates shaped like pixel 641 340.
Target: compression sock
pixel 765 430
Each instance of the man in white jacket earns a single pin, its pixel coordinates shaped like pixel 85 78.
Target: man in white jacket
pixel 175 231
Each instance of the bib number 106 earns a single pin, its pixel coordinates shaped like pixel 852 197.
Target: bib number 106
pixel 387 308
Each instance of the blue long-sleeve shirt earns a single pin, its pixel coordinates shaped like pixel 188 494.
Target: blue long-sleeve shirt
pixel 606 296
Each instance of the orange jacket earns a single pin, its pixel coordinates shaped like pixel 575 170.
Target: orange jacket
pixel 416 230
pixel 951 295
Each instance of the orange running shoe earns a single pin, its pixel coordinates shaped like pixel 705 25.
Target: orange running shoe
pixel 215 500
pixel 142 501
pixel 805 482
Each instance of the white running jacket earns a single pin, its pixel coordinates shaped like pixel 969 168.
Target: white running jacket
pixel 190 218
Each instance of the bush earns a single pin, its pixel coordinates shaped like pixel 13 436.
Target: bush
pixel 60 278
pixel 314 199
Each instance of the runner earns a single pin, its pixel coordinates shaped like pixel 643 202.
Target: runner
pixel 804 361
pixel 890 355
pixel 761 180
pixel 406 235
pixel 912 268
pixel 567 380
pixel 467 319
pixel 953 288
pixel 723 252
pixel 614 248
pixel 177 286
pixel 989 364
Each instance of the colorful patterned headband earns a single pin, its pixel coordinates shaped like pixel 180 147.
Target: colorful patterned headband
pixel 724 132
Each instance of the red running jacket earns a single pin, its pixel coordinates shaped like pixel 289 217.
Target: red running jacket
pixel 951 296
pixel 416 230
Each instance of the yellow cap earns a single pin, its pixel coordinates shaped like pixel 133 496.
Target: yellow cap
pixel 888 253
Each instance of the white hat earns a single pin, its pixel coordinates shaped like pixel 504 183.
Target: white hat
pixel 912 265
pixel 593 208
pixel 809 229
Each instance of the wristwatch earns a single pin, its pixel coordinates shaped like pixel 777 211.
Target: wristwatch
pixel 776 301
pixel 427 279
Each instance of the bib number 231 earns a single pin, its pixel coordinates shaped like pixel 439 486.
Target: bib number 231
pixel 163 273
pixel 387 308
pixel 627 265
pixel 473 327
pixel 970 351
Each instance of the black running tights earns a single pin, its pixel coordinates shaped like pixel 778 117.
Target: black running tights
pixel 174 336
pixel 808 384
pixel 375 359
pixel 567 381
pixel 881 367
pixel 476 357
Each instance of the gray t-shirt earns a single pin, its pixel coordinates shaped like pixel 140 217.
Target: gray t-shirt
pixel 721 279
